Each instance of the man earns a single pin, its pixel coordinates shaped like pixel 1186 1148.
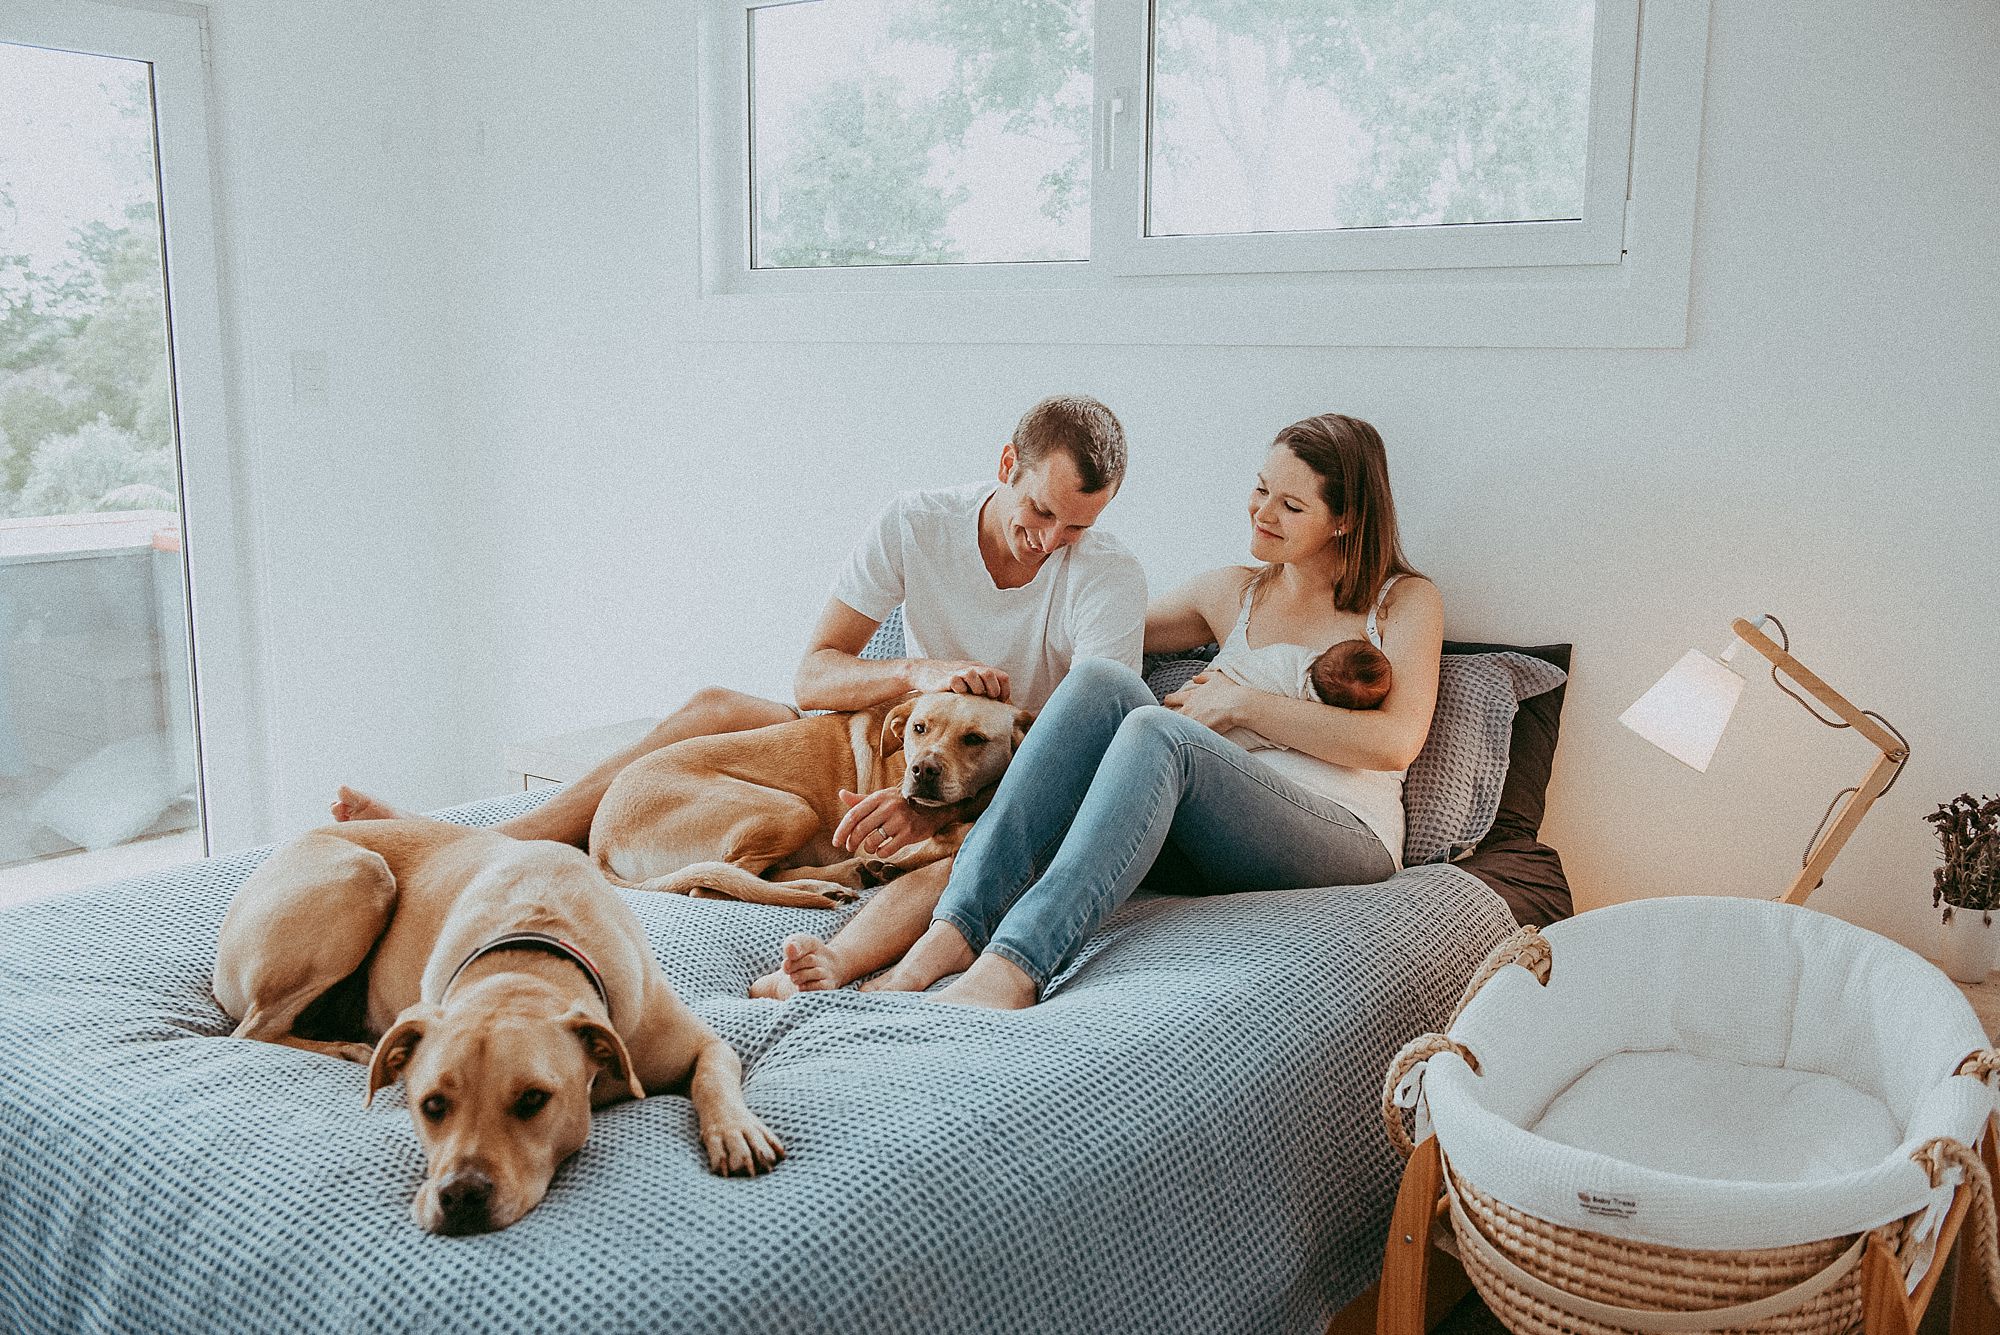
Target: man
pixel 1002 584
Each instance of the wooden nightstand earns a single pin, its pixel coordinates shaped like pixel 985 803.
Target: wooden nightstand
pixel 1985 999
pixel 551 760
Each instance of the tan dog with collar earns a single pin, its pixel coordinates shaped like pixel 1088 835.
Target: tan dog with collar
pixel 751 815
pixel 509 987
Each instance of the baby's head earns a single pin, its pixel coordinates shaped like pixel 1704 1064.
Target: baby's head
pixel 1354 674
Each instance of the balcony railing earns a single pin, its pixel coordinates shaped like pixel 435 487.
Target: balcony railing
pixel 96 720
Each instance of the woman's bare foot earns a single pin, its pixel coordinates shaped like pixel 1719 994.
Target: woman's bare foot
pixel 360 806
pixel 994 983
pixel 939 952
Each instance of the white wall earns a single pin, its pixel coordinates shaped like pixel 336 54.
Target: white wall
pixel 634 514
pixel 327 170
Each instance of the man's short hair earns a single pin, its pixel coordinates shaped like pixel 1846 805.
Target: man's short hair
pixel 1080 427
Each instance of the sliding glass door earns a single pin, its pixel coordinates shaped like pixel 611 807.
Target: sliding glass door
pixel 114 457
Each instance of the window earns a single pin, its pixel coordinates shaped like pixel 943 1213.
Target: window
pixel 918 132
pixel 1346 134
pixel 912 146
pixel 1307 117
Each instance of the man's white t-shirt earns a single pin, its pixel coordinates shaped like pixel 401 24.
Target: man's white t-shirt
pixel 1087 601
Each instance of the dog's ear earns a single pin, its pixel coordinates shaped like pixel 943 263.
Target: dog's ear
pixel 603 1046
pixel 892 728
pixel 1022 718
pixel 393 1053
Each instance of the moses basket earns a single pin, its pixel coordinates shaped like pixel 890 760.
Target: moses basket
pixel 1693 1114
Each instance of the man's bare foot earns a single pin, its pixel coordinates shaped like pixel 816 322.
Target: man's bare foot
pixel 360 806
pixel 939 952
pixel 992 982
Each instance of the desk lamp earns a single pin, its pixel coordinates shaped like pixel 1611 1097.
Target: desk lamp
pixel 1685 712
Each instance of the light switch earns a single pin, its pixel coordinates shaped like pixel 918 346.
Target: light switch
pixel 309 376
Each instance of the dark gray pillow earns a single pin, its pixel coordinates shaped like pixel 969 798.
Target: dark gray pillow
pixel 1167 673
pixel 1453 789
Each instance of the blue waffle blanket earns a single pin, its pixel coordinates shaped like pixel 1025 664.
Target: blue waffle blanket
pixel 1183 1137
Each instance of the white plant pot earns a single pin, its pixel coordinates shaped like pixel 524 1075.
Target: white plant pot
pixel 1966 943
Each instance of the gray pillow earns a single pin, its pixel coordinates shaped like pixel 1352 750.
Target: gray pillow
pixel 887 641
pixel 1166 674
pixel 1453 790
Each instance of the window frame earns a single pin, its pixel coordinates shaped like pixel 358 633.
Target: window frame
pixel 225 682
pixel 1621 279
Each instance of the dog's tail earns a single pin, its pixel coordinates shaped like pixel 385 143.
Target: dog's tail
pixel 726 880
pixel 671 883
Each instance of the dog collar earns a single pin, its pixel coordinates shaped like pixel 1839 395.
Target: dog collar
pixel 554 945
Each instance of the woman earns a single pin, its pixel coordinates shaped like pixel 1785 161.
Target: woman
pixel 1106 776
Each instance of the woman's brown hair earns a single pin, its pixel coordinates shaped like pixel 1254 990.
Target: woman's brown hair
pixel 1353 471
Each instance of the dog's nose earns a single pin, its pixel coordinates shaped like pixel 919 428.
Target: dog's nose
pixel 926 769
pixel 466 1199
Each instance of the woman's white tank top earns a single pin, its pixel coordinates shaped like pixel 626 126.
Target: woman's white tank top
pixel 1376 796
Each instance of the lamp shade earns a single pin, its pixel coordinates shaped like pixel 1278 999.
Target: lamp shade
pixel 1685 712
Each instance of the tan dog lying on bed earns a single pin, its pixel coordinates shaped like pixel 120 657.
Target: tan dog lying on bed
pixel 751 815
pixel 510 988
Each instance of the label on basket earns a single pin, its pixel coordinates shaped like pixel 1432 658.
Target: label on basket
pixel 1606 1206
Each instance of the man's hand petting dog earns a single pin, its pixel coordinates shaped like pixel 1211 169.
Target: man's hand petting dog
pixel 885 822
pixel 961 676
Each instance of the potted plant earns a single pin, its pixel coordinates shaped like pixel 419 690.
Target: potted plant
pixel 1967 884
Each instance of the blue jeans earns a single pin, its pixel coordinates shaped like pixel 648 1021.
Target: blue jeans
pixel 1103 779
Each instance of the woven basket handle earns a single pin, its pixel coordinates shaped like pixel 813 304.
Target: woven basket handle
pixel 1525 946
pixel 1937 1157
pixel 1983 1065
pixel 1414 1054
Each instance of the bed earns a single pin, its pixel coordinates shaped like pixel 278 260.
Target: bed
pixel 1183 1136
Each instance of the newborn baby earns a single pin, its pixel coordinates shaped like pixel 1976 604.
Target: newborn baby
pixel 1353 674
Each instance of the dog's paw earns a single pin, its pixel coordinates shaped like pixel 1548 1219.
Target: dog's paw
pixel 876 872
pixel 740 1147
pixel 832 892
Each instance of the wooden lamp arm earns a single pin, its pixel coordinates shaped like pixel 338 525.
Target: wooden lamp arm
pixel 1883 739
pixel 1878 778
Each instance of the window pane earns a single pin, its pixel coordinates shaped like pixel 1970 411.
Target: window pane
pixel 1302 115
pixel 97 740
pixel 920 132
